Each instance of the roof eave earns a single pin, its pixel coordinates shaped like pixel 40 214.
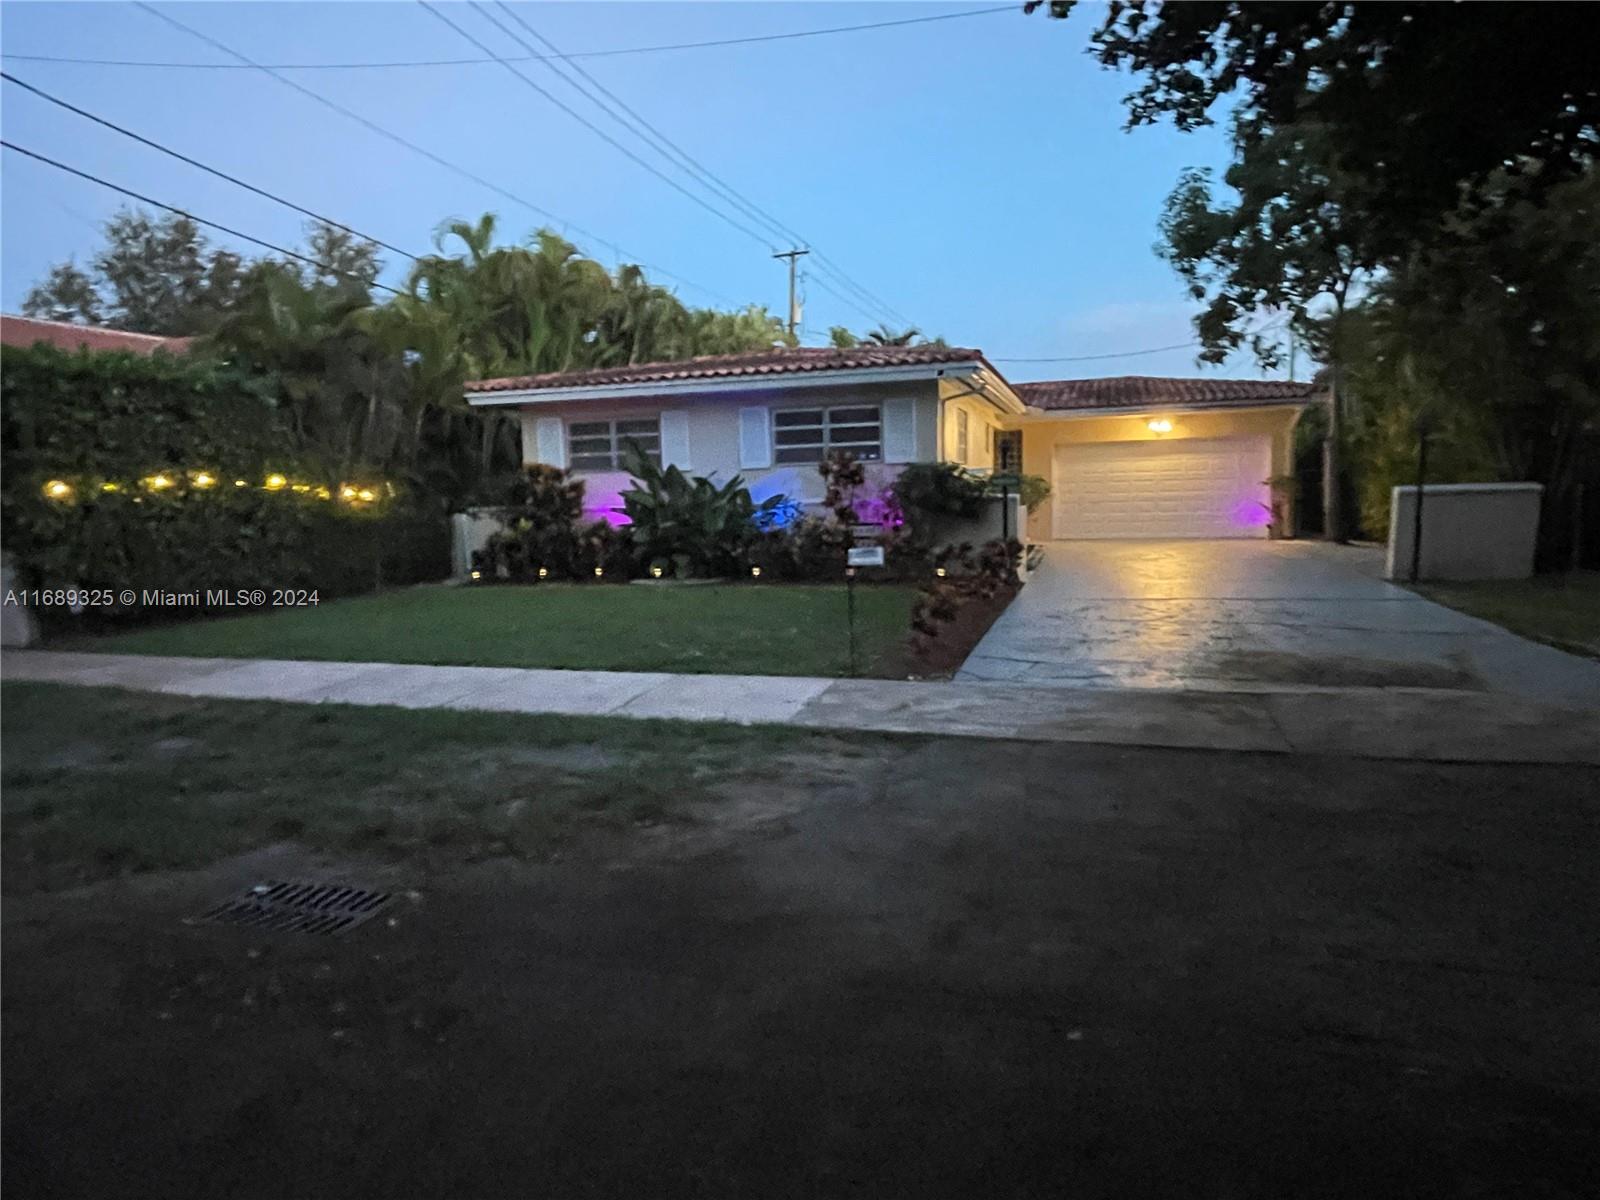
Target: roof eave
pixel 770 381
pixel 1145 410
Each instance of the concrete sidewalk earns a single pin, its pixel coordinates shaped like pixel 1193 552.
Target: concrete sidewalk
pixel 1442 726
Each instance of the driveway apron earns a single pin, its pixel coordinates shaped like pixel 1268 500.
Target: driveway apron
pixel 1253 615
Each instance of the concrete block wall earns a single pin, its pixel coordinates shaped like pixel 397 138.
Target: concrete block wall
pixel 1469 530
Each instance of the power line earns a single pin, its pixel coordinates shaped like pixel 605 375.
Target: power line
pixel 143 199
pixel 391 136
pixel 167 150
pixel 1132 353
pixel 596 130
pixel 670 150
pixel 467 62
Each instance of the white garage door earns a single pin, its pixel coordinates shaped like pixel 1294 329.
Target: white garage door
pixel 1184 488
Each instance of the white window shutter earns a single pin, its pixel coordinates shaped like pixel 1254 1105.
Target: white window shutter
pixel 675 440
pixel 550 442
pixel 755 438
pixel 900 430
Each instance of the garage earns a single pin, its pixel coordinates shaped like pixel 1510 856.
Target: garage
pixel 1179 488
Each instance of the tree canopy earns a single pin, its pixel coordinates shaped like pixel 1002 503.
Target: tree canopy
pixel 1421 99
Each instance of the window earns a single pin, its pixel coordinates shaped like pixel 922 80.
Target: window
pixel 961 435
pixel 599 445
pixel 1008 452
pixel 808 435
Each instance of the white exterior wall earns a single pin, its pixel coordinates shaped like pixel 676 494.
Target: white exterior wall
pixel 1469 530
pixel 713 435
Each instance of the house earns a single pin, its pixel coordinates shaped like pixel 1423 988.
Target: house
pixel 1125 457
pixel 30 331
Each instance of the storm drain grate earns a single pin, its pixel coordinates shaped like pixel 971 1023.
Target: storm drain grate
pixel 285 907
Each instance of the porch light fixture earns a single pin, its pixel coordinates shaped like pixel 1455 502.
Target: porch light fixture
pixel 1160 425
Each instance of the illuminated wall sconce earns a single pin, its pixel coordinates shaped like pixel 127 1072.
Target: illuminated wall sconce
pixel 1160 425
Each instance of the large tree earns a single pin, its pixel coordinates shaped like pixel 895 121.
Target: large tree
pixel 153 275
pixel 1421 98
pixel 1287 235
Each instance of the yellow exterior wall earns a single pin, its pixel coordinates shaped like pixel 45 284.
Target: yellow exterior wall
pixel 983 422
pixel 1042 434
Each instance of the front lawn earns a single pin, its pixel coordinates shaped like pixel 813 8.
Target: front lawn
pixel 713 628
pixel 1562 610
pixel 98 781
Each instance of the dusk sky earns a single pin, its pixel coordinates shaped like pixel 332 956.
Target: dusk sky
pixel 971 172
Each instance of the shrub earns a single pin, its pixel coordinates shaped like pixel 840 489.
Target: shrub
pixel 690 522
pixel 146 451
pixel 969 576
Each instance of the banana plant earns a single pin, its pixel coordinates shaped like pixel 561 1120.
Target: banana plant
pixel 688 520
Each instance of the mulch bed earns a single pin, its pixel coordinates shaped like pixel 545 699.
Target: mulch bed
pixel 940 657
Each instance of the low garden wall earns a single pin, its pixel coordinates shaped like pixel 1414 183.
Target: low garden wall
pixel 1469 530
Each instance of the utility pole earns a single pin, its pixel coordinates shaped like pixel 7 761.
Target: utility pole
pixel 794 312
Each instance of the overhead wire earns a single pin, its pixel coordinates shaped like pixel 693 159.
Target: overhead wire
pixel 466 62
pixel 182 212
pixel 389 135
pixel 194 162
pixel 600 133
pixel 641 127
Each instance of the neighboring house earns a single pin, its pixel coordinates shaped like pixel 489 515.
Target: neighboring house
pixel 30 331
pixel 1126 457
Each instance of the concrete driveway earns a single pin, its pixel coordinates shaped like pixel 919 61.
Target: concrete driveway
pixel 1253 615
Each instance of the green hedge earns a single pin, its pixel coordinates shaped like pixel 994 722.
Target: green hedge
pixel 104 425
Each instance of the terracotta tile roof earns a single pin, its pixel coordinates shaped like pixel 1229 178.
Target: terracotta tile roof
pixel 1146 391
pixel 784 361
pixel 29 331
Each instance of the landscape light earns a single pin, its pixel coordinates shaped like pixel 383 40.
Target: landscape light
pixel 544 572
pixel 275 482
pixel 202 479
pixel 108 486
pixel 346 492
pixel 1160 425
pixel 940 572
pixel 323 493
pixel 299 487
pixel 366 494
pixel 240 483
pixel 599 571
pixel 755 572
pixel 655 572
pixel 157 482
pixel 57 489
pixel 477 574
